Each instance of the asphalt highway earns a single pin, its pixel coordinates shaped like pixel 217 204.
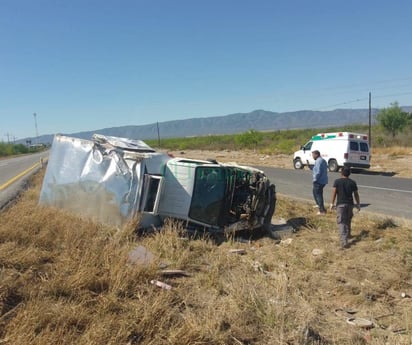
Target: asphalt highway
pixel 387 195
pixel 14 171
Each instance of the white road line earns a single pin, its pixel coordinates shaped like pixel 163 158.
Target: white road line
pixel 390 189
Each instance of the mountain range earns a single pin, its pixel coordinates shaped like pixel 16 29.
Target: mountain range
pixel 261 120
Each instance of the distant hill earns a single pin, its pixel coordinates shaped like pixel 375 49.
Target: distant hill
pixel 234 123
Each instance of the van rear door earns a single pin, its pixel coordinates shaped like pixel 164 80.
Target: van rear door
pixel 358 154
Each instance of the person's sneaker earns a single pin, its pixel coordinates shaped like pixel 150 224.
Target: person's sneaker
pixel 321 213
pixel 344 246
pixel 315 206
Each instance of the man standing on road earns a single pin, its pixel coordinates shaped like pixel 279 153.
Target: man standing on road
pixel 344 188
pixel 320 180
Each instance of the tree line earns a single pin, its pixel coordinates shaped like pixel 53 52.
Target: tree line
pixel 10 149
pixel 394 120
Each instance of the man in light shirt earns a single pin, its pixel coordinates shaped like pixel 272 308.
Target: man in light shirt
pixel 320 180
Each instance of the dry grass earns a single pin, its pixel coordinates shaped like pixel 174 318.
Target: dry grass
pixel 396 160
pixel 65 280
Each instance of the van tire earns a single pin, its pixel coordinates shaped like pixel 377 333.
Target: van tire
pixel 297 164
pixel 333 165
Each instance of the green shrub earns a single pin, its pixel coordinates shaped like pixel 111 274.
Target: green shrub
pixel 274 142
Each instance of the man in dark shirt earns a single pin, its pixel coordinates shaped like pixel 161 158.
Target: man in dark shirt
pixel 344 188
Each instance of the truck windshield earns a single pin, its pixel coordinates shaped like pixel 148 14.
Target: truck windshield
pixel 208 195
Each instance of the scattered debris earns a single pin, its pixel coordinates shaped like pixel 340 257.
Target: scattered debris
pixel 140 255
pixel 397 329
pixel 386 223
pixel 405 295
pixel 174 273
pixel 281 229
pixel 163 265
pixel 161 284
pixel 257 266
pixel 286 242
pixel 317 252
pixel 237 251
pixel 346 310
pixel 360 322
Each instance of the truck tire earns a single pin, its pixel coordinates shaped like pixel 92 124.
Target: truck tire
pixel 297 164
pixel 333 165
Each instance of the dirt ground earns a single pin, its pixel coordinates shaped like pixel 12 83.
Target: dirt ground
pixel 400 165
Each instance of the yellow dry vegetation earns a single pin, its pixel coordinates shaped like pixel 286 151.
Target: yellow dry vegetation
pixel 66 280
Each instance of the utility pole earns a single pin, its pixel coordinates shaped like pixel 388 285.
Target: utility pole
pixel 370 120
pixel 8 137
pixel 35 125
pixel 158 135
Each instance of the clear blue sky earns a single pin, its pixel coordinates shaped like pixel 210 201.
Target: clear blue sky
pixel 90 64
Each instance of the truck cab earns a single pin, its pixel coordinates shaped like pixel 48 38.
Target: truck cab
pixel 217 195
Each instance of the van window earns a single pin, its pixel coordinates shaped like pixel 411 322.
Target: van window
pixel 354 146
pixel 364 147
pixel 308 146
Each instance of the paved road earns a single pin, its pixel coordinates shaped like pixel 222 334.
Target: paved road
pixel 13 171
pixel 387 195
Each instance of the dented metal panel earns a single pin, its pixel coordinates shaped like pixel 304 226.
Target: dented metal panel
pixel 96 178
pixel 177 189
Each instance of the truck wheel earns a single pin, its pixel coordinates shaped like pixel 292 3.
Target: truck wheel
pixel 333 165
pixel 297 164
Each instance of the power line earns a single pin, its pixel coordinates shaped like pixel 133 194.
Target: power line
pixel 364 99
pixel 394 95
pixel 343 103
pixel 367 84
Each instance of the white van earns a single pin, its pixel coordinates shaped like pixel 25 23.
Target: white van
pixel 338 149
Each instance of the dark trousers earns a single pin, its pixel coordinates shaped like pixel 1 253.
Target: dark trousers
pixel 344 214
pixel 318 195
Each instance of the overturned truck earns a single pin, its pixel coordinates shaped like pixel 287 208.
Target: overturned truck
pixel 113 179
